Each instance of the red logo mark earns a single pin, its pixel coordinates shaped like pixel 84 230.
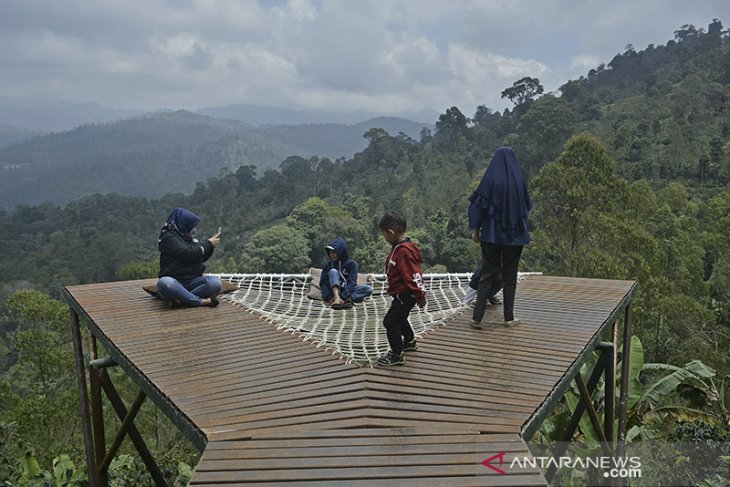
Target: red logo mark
pixel 488 463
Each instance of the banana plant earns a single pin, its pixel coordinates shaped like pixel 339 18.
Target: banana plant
pixel 65 473
pixel 695 381
pixel 647 402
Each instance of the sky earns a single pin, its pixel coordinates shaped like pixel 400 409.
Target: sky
pixel 383 56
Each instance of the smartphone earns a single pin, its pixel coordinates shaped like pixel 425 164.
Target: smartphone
pixel 220 229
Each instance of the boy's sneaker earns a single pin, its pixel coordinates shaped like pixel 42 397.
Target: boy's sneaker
pixel 411 346
pixel 390 358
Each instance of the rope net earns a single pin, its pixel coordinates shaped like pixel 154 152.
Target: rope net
pixel 356 334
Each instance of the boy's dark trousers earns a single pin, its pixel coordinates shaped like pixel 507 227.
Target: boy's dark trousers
pixel 396 322
pixel 496 259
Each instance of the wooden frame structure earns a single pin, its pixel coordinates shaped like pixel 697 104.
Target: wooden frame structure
pixel 266 408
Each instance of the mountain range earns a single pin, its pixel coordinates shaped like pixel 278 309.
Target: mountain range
pixel 40 114
pixel 165 152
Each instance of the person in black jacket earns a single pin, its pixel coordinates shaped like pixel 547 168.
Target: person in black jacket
pixel 181 262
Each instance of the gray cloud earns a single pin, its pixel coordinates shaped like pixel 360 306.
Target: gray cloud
pixel 378 55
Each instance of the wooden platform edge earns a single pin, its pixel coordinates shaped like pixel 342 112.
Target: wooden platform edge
pixel 178 418
pixel 551 401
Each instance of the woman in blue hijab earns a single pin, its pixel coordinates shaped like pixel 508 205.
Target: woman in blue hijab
pixel 498 219
pixel 181 262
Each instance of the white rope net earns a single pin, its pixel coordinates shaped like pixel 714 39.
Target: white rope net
pixel 356 334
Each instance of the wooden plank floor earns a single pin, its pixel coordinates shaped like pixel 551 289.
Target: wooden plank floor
pixel 275 410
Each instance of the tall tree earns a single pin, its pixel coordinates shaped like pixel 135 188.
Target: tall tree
pixel 320 222
pixel 41 402
pixel 277 249
pixel 452 131
pixel 544 129
pixel 523 90
pixel 572 197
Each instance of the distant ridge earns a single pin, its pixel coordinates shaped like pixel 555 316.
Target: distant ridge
pixel 45 114
pixel 266 115
pixel 12 135
pixel 165 152
pixel 339 140
pixel 54 115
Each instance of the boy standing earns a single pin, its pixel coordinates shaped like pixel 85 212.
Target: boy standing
pixel 338 281
pixel 405 284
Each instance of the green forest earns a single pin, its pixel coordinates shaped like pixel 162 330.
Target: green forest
pixel 629 170
pixel 135 157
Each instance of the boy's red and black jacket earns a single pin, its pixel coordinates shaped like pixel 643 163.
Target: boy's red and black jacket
pixel 403 269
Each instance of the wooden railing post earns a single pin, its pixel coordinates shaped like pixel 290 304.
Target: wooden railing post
pixel 97 411
pixel 624 398
pixel 609 379
pixel 84 401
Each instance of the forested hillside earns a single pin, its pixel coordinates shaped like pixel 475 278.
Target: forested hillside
pixel 12 135
pixel 163 153
pixel 630 172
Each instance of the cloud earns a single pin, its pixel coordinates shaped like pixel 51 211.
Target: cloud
pixel 584 63
pixel 379 55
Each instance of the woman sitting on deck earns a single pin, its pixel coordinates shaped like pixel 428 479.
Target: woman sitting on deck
pixel 181 262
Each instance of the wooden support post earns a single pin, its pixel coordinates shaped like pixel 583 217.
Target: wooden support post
pixel 608 354
pixel 609 403
pixel 84 400
pixel 574 421
pixel 134 434
pixel 97 411
pixel 624 398
pixel 128 420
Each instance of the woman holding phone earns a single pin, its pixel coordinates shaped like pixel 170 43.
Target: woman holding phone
pixel 181 262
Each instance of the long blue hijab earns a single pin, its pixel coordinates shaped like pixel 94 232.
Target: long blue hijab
pixel 181 221
pixel 503 191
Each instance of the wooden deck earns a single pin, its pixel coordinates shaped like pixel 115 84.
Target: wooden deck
pixel 270 409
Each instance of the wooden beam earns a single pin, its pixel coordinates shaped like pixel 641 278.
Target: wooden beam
pixel 592 414
pixel 123 429
pixel 134 434
pixel 572 426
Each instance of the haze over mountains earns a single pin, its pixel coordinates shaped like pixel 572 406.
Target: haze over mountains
pixel 38 115
pixel 53 115
pixel 154 154
pixel 263 115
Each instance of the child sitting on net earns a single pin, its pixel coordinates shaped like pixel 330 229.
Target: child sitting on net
pixel 338 281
